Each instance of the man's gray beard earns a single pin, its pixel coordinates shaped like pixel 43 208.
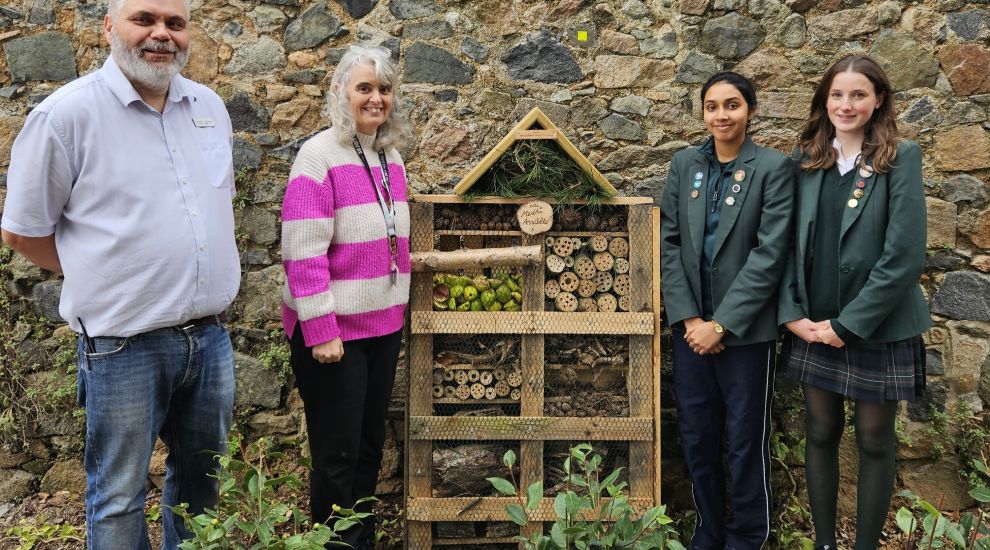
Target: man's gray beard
pixel 135 68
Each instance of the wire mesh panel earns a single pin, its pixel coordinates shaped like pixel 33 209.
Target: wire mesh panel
pixel 535 374
pixel 615 456
pixel 586 375
pixel 476 375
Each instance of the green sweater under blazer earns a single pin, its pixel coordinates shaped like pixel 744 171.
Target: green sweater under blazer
pixel 881 252
pixel 751 242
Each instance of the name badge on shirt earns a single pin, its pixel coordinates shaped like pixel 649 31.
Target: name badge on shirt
pixel 203 122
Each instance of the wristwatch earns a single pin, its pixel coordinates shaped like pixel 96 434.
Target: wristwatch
pixel 718 327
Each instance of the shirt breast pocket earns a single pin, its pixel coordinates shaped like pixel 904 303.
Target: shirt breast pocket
pixel 217 162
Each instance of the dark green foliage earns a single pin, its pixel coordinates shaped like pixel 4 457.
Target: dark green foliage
pixel 591 512
pixel 537 168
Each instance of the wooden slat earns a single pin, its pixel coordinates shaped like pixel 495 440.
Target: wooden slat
pixel 457 199
pixel 532 361
pixel 536 134
pixel 641 368
pixel 419 454
pixel 488 508
pixel 657 355
pixel 473 540
pixel 530 428
pixel 529 322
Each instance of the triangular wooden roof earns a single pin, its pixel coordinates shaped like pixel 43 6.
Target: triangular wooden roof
pixel 535 125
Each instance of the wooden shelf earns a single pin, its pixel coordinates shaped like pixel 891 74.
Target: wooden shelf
pixel 489 508
pixel 473 540
pixel 457 199
pixel 456 401
pixel 585 233
pixel 473 232
pixel 531 428
pixel 530 322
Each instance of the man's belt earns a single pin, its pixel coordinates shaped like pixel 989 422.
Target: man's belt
pixel 202 321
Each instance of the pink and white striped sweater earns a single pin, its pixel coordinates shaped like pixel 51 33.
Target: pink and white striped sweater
pixel 335 246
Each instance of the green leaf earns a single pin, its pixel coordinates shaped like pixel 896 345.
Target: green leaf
pixel 503 486
pixel 952 531
pixel 906 521
pixel 557 535
pixel 534 493
pixel 981 493
pixel 509 459
pixel 611 478
pixel 516 514
pixel 560 505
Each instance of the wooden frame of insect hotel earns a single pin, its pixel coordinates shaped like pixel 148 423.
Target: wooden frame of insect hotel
pixel 533 328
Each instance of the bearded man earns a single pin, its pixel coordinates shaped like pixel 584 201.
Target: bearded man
pixel 122 181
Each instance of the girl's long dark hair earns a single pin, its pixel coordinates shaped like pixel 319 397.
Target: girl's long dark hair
pixel 881 135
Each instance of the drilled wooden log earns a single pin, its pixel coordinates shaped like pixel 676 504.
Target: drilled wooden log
pixel 619 247
pixel 621 284
pixel 563 246
pixel 461 377
pixel 603 281
pixel 551 288
pixel 604 261
pixel 598 243
pixel 463 392
pixel 621 266
pixel 477 391
pixel 566 301
pixel 476 258
pixel 502 388
pixel 555 264
pixel 587 304
pixel 473 375
pixel 584 267
pixel 486 377
pixel 606 302
pixel 568 281
pixel 490 393
pixel 587 288
pixel 449 391
pixel 515 379
pixel 624 302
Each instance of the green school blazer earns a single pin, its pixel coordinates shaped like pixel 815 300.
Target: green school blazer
pixel 881 251
pixel 751 242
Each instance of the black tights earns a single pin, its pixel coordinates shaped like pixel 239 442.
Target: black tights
pixel 824 422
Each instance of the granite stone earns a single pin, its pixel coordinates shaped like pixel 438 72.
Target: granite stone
pixel 543 58
pixel 963 295
pixel 312 27
pixel 45 56
pixel 434 65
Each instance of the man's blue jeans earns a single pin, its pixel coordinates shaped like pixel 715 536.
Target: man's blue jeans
pixel 177 384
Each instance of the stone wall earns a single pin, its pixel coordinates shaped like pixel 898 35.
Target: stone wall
pixel 619 77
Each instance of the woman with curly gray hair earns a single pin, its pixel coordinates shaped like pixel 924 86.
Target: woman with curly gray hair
pixel 345 249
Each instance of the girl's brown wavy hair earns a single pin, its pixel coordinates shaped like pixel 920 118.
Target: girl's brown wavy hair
pixel 881 135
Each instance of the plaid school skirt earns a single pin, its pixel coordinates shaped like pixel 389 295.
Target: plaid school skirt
pixel 893 371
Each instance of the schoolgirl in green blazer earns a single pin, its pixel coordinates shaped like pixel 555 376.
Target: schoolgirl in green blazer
pixel 850 298
pixel 725 230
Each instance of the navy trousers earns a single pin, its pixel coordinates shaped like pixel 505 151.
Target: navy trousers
pixel 728 392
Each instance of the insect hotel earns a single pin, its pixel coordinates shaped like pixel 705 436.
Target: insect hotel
pixel 533 315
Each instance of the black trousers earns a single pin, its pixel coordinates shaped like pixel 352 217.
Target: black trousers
pixel 728 392
pixel 346 404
